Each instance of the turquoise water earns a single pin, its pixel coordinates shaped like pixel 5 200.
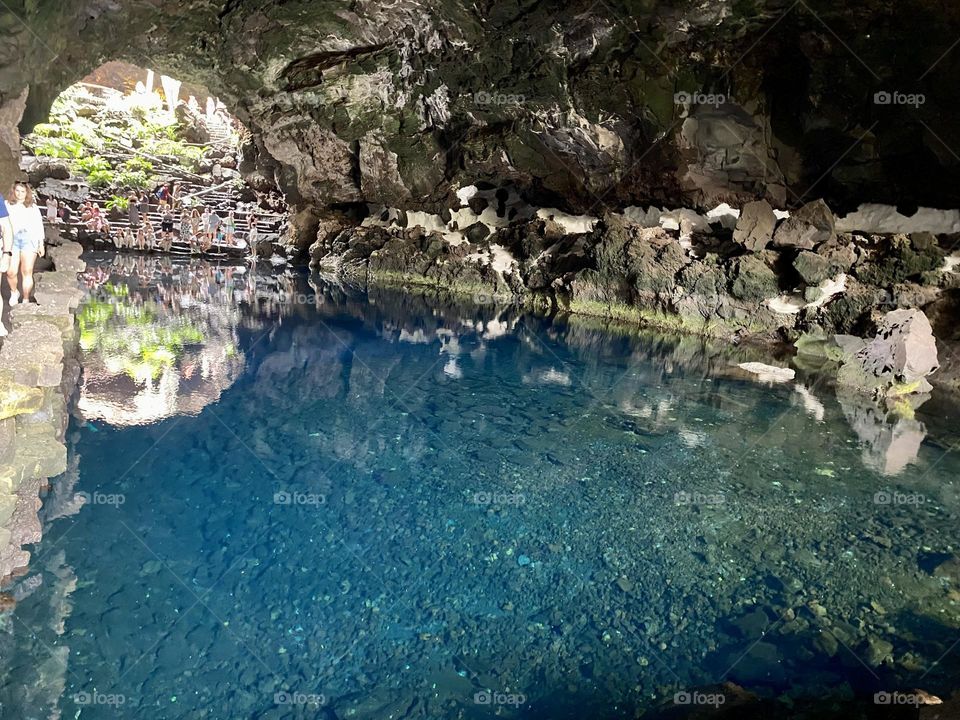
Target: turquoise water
pixel 289 499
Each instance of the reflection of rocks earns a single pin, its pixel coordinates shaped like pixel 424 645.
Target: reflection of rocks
pixel 890 442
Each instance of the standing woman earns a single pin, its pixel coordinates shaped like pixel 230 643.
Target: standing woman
pixel 133 210
pixel 185 228
pixel 230 228
pixel 195 224
pixel 27 240
pixel 252 236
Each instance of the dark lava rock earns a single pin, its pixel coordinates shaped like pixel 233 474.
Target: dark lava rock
pixel 827 262
pixel 476 233
pixel 753 279
pixel 755 226
pixel 808 227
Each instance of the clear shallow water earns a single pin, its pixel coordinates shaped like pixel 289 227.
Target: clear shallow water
pixel 336 506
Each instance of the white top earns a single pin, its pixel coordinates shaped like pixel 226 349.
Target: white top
pixel 27 218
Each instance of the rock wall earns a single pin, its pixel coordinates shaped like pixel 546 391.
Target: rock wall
pixel 38 374
pixel 583 106
pixel 765 277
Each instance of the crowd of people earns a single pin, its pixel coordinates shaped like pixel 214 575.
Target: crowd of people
pixel 201 231
pixel 21 225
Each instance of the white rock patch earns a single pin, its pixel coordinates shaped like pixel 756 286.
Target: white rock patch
pixel 571 224
pixel 884 219
pixel 768 373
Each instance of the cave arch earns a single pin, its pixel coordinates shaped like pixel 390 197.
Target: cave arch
pixel 353 103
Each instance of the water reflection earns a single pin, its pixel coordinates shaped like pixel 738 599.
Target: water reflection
pixel 160 338
pixel 679 524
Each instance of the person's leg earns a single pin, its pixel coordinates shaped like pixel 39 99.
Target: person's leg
pixel 12 275
pixel 27 259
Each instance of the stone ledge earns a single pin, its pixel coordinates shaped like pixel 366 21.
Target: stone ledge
pixel 33 407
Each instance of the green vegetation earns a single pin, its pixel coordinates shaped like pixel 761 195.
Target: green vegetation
pixel 136 180
pixel 57 148
pixel 128 121
pixel 46 130
pixel 93 163
pixel 189 155
pixel 138 165
pixel 118 202
pixel 100 178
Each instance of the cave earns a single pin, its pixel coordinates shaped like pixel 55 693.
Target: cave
pixel 469 360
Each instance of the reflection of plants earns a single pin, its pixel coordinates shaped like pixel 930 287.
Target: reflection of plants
pixel 143 342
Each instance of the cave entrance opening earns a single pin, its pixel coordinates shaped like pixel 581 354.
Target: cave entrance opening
pixel 135 160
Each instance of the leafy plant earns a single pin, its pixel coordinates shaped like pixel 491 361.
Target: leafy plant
pixel 138 165
pixel 117 202
pixel 58 148
pixel 46 130
pixel 100 178
pixel 136 179
pixel 87 165
pixel 186 154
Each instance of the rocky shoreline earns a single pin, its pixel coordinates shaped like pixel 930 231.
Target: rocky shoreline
pixel 756 274
pixel 38 375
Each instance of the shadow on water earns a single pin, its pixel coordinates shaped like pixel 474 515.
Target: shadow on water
pixel 288 498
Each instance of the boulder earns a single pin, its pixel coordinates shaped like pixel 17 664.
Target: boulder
pixel 45 168
pixel 476 233
pixel 33 355
pixel 755 226
pixel 827 262
pixel 190 125
pixel 753 279
pixel 898 360
pixel 18 399
pixel 811 225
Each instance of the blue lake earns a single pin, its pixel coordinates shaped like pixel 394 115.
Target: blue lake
pixel 290 499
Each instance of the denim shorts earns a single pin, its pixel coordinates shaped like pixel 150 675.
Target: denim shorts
pixel 22 242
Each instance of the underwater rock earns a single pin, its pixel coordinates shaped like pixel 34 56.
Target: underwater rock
pixel 769 373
